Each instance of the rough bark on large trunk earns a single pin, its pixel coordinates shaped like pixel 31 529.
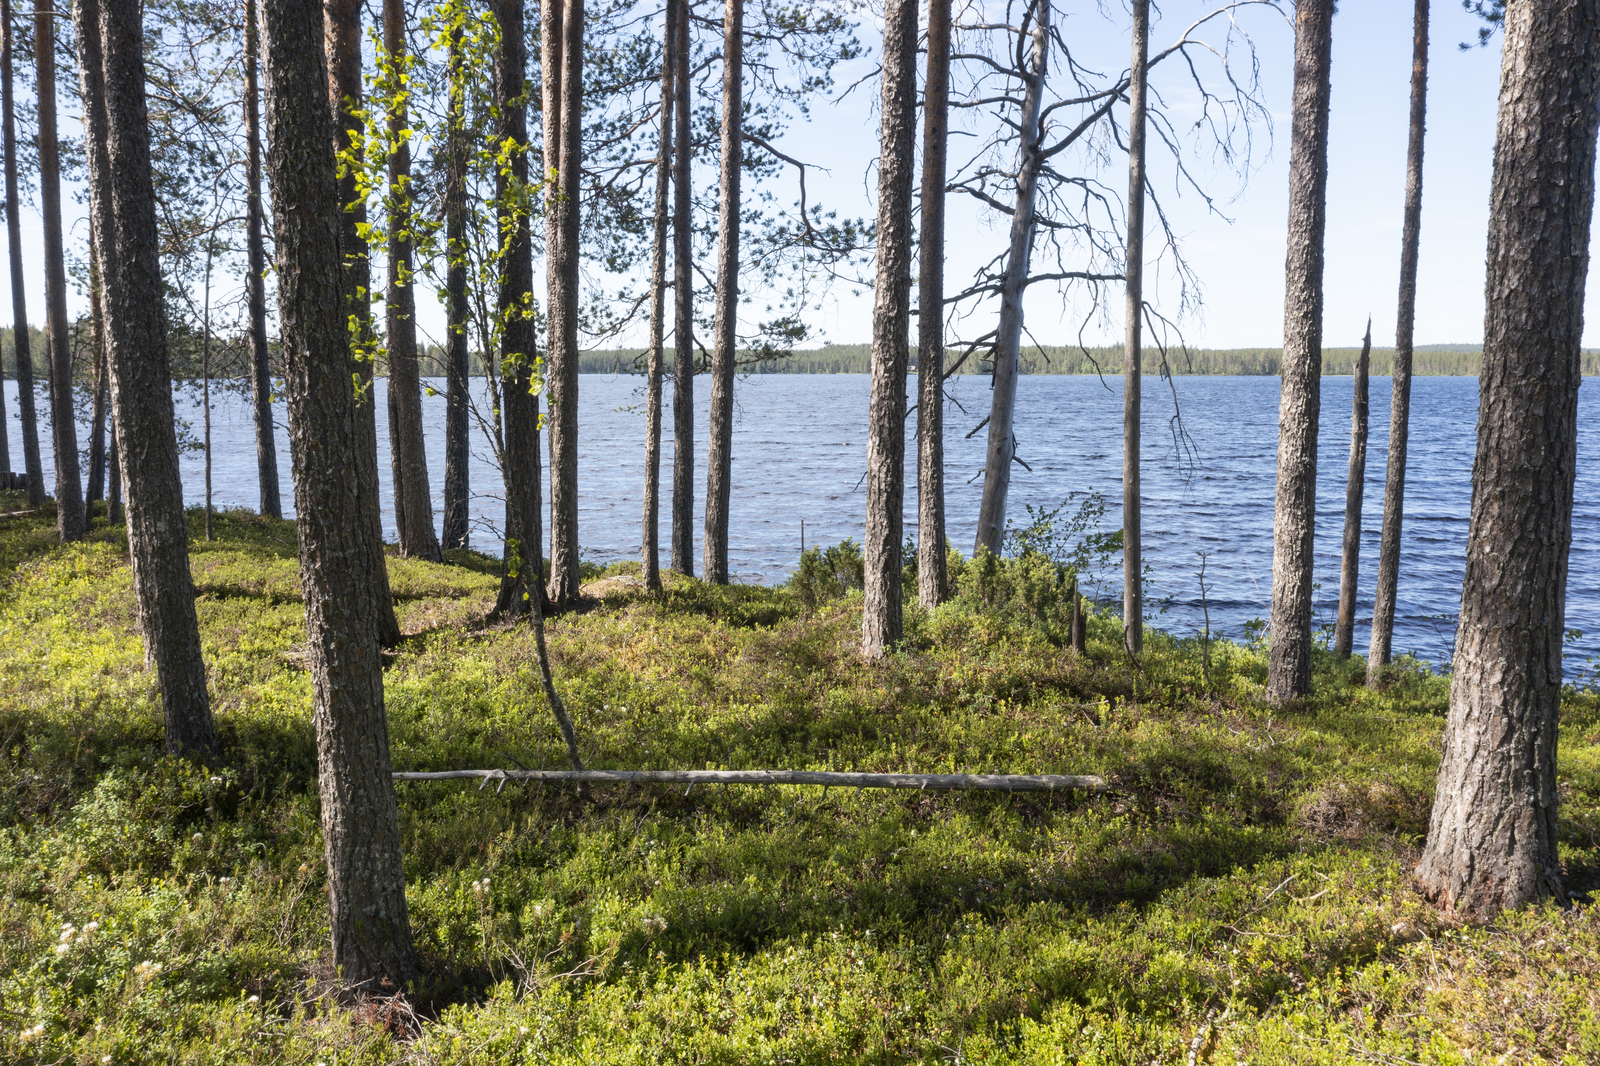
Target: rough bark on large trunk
pixel 932 574
pixel 342 41
pixel 683 361
pixel 1014 283
pixel 457 490
pixel 71 521
pixel 1492 834
pixel 882 618
pixel 1299 406
pixel 1133 324
pixel 649 546
pixel 123 205
pixel 563 106
pixel 255 282
pixel 1394 486
pixel 366 884
pixel 26 412
pixel 719 436
pixel 1344 626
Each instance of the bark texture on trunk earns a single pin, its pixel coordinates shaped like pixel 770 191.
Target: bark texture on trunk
pixel 413 500
pixel 882 619
pixel 1299 406
pixel 649 545
pixel 1394 486
pixel 563 108
pixel 683 361
pixel 96 486
pixel 457 489
pixel 342 42
pixel 1344 627
pixel 255 281
pixel 1492 834
pixel 123 205
pixel 366 885
pixel 71 521
pixel 725 340
pixel 1133 326
pixel 932 565
pixel 114 477
pixel 1013 285
pixel 26 412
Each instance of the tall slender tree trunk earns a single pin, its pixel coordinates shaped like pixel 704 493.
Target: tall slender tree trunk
pixel 457 490
pixel 342 41
pixel 932 565
pixel 122 203
pixel 683 360
pixel 205 377
pixel 96 488
pixel 882 620
pixel 1492 835
pixel 563 107
pixel 414 516
pixel 19 299
pixel 114 477
pixel 366 884
pixel 255 280
pixel 1394 486
pixel 1013 285
pixel 1344 627
pixel 1299 407
pixel 1133 319
pixel 725 338
pixel 71 522
pixel 649 547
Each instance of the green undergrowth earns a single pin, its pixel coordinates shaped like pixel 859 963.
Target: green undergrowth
pixel 1239 894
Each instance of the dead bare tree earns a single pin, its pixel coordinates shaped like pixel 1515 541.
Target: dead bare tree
pixel 1344 626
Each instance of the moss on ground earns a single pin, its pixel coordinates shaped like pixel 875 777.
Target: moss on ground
pixel 1240 895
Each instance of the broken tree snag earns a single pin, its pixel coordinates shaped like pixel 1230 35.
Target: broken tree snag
pixel 957 782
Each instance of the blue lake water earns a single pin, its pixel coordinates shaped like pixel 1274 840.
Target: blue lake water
pixel 800 453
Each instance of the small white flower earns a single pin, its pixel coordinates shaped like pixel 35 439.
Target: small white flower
pixel 216 780
pixel 198 837
pixel 253 1000
pixel 524 1030
pixel 91 927
pixel 62 949
pixel 105 1058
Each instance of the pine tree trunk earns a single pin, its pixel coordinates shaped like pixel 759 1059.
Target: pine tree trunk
pixel 1344 627
pixel 1492 834
pixel 932 573
pixel 1394 487
pixel 122 203
pixel 1133 326
pixel 725 338
pixel 26 413
pixel 342 41
pixel 1014 283
pixel 414 517
pixel 1299 407
pixel 114 478
pixel 457 490
pixel 683 360
pixel 366 884
pixel 563 102
pixel 71 521
pixel 96 488
pixel 649 547
pixel 255 282
pixel 882 621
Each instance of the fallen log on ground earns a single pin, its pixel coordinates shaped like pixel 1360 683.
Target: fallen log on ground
pixel 981 782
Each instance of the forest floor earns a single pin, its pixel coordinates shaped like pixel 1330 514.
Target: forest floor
pixel 1240 894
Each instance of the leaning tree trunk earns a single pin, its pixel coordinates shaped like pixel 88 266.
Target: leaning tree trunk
pixel 683 361
pixel 342 40
pixel 725 338
pixel 1344 626
pixel 71 521
pixel 1394 487
pixel 366 884
pixel 122 204
pixel 932 562
pixel 255 281
pixel 1492 835
pixel 96 485
pixel 882 619
pixel 1013 284
pixel 1133 325
pixel 649 547
pixel 457 489
pixel 413 500
pixel 563 108
pixel 31 464
pixel 1299 407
